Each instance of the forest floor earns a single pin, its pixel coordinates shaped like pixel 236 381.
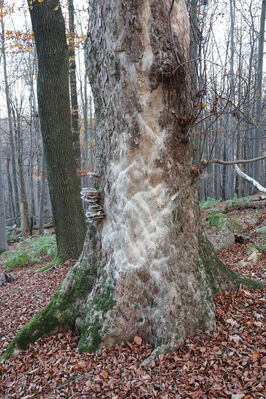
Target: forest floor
pixel 225 363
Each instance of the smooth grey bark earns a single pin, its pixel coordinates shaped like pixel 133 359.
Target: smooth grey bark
pixel 10 124
pixel 3 240
pixel 229 182
pixel 42 196
pixel 239 182
pixel 30 176
pixel 33 146
pixel 12 213
pixel 258 90
pixel 248 109
pixel 42 191
pixel 24 206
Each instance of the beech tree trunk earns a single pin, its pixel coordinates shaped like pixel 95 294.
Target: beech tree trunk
pixel 259 76
pixel 147 269
pixel 24 206
pixel 10 125
pixel 42 196
pixel 3 240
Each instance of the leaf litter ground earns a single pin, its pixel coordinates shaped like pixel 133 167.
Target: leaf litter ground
pixel 228 362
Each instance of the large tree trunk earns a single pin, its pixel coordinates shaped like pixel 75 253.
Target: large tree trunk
pixel 54 108
pixel 147 268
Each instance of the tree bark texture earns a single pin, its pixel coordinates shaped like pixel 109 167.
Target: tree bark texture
pixel 42 197
pixel 54 108
pixel 9 114
pixel 149 240
pixel 73 87
pixel 24 206
pixel 147 269
pixel 259 76
pixel 152 256
pixel 3 240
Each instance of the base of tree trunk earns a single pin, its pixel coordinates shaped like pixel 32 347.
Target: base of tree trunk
pixel 91 302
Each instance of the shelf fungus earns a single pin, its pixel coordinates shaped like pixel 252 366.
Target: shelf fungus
pixel 92 174
pixel 95 212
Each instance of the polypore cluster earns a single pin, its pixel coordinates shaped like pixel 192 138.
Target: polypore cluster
pixel 95 212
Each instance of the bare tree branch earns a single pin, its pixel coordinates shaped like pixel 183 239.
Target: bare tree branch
pixel 169 11
pixel 205 163
pixel 250 179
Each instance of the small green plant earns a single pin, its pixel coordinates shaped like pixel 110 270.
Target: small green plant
pixel 255 246
pixel 32 250
pixel 217 219
pixel 234 224
pixel 241 199
pixel 261 231
pixel 43 245
pixel 12 259
pixel 12 236
pixel 238 201
pixel 220 220
pixel 209 203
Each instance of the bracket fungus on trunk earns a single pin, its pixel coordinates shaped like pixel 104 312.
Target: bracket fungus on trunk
pixel 95 212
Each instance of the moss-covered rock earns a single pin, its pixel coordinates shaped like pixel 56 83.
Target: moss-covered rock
pixel 219 276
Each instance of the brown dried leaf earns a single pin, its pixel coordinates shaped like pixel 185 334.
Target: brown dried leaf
pixel 81 364
pixel 138 340
pixel 256 355
pixel 105 374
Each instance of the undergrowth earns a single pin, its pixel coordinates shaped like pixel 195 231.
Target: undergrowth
pixel 209 203
pixel 30 251
pixel 12 236
pixel 217 219
pixel 240 200
pixel 213 203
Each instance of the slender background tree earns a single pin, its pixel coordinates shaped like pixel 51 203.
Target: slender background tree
pixel 55 120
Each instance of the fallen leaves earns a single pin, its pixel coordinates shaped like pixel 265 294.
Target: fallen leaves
pixel 228 362
pixel 209 365
pixel 232 322
pixel 105 374
pixel 138 340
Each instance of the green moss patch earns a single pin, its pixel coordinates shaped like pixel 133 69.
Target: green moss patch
pixel 59 314
pixel 219 276
pixel 93 327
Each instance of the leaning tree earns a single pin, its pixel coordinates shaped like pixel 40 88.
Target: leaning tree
pixel 147 268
